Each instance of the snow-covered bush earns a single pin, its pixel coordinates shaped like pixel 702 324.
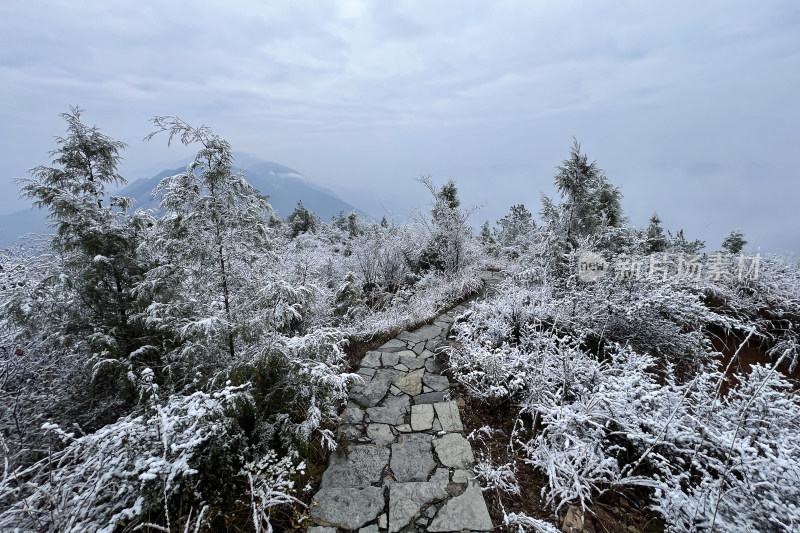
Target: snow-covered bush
pixel 147 464
pixel 618 385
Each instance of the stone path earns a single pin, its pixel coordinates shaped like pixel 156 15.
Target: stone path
pixel 405 465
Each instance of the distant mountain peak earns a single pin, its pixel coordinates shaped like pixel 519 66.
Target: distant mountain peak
pixel 283 185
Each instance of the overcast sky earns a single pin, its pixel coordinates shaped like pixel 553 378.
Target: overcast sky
pixel 691 107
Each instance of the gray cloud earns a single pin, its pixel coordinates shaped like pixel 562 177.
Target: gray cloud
pixel 689 106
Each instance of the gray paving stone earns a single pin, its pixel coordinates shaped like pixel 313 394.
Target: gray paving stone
pixel 370 393
pixel 393 410
pixel 360 468
pixel 413 363
pixel 411 383
pixel 371 359
pixel 387 374
pixel 454 450
pixel 434 366
pixel 372 528
pixel 467 511
pixel 401 367
pixel 406 499
pixel 406 353
pixel 412 459
pixel 435 381
pixel 353 414
pixel 462 476
pixel 344 507
pixel 366 371
pixel 321 529
pixel 393 345
pixel 418 347
pixel 380 434
pixel 389 358
pixel 430 397
pixel 421 417
pixel 448 415
pixel 350 432
pixel 422 334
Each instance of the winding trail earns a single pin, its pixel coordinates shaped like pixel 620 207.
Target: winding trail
pixel 405 465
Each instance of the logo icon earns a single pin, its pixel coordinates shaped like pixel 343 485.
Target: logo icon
pixel 591 266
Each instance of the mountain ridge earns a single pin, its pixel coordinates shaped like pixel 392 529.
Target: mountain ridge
pixel 283 186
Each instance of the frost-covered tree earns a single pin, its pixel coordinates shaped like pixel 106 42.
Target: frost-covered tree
pixel 212 235
pixel 589 201
pixel 516 229
pixel 678 243
pixel 301 220
pixel 449 233
pixel 734 242
pixel 86 301
pixel 656 240
pixel 95 237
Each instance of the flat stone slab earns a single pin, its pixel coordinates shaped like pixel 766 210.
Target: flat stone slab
pixel 387 374
pixel 360 468
pixel 430 397
pixel 348 508
pixel 435 381
pixel 393 345
pixel 406 499
pixel 392 412
pixel 370 393
pixel 412 459
pixel 454 450
pixel 380 434
pixel 371 359
pixel 389 358
pixel 448 415
pixel 411 383
pixel 353 414
pixel 413 363
pixel 432 365
pixel 421 334
pixel 350 432
pixel 321 529
pixel 467 511
pixel 421 417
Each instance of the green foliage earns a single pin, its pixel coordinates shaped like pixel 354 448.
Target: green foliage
pixel 516 230
pixel 348 297
pixel 448 231
pixel 656 240
pixel 87 301
pixel 590 201
pixel 734 242
pixel 301 220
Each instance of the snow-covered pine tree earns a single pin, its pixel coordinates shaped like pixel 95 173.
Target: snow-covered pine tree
pixel 734 242
pixel 516 229
pixel 87 301
pixel 656 240
pixel 210 242
pixel 589 201
pixel 448 229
